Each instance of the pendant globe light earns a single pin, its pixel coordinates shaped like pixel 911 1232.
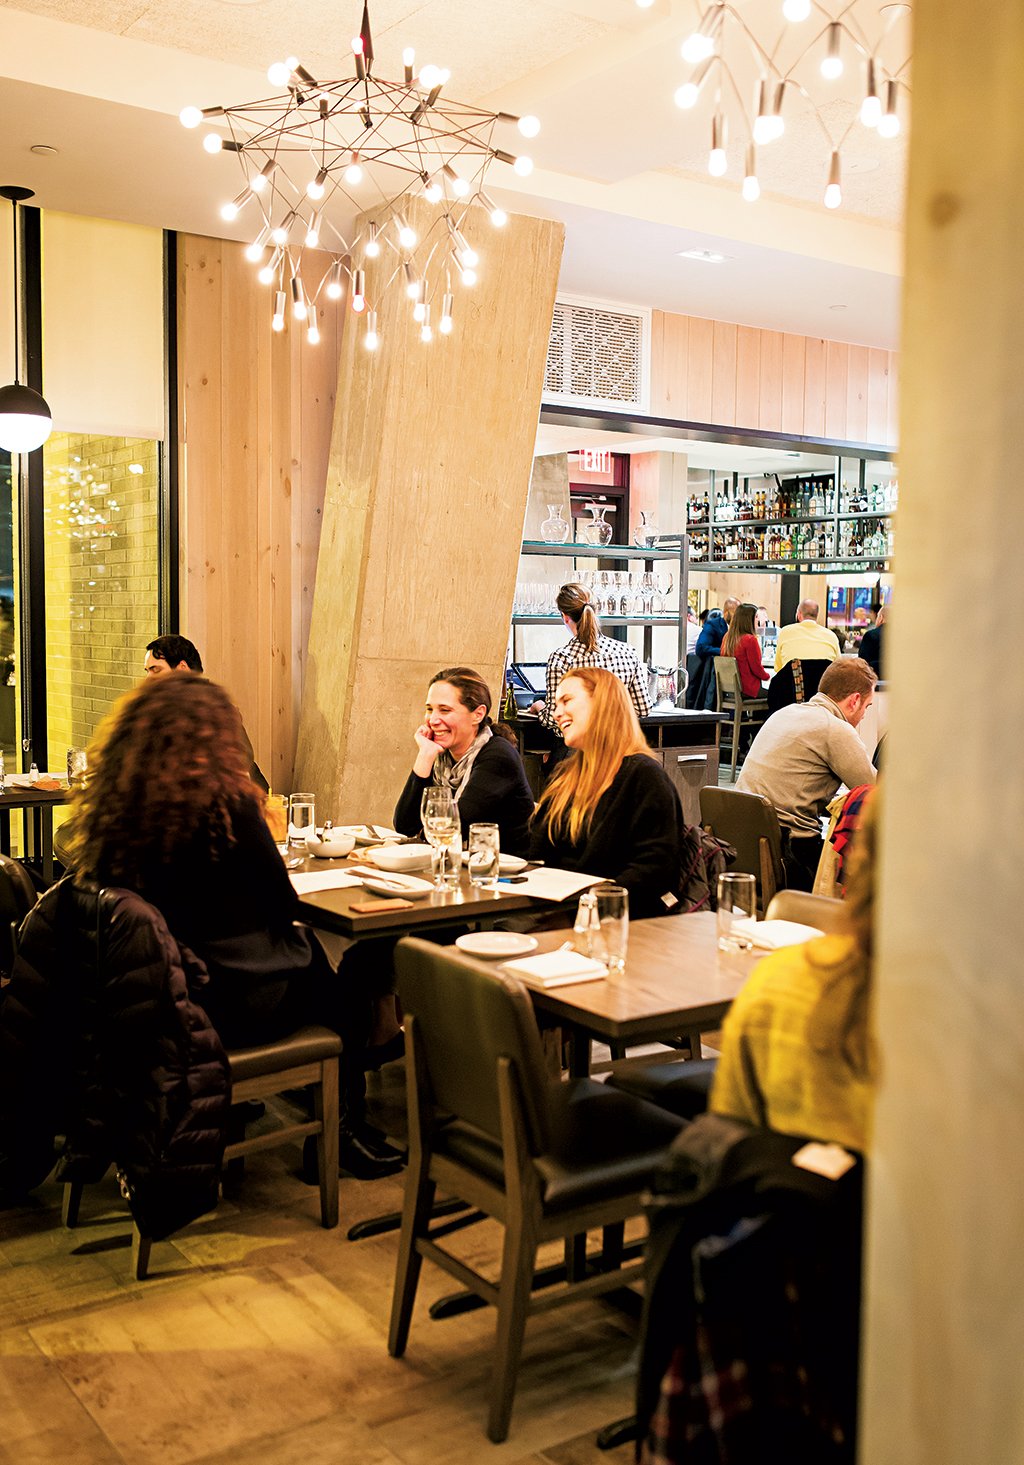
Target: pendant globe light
pixel 25 421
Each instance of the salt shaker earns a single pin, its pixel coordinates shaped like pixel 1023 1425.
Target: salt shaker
pixel 33 773
pixel 586 924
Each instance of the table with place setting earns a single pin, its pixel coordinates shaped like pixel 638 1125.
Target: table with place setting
pixel 20 793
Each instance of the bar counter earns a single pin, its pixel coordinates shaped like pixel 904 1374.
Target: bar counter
pixel 684 742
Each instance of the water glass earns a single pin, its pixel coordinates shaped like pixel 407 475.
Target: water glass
pixel 484 855
pixel 77 765
pixel 613 926
pixel 737 901
pixel 301 818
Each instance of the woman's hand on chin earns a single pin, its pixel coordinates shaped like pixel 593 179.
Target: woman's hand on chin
pixel 426 752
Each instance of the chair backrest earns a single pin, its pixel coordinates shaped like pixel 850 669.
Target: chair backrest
pixel 744 820
pixel 468 1016
pixel 810 910
pixel 782 689
pixel 727 682
pixel 17 897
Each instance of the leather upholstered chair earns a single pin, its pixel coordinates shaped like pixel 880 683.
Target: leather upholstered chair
pixel 810 910
pixel 488 1124
pixel 307 1056
pixel 748 713
pixel 17 897
pixel 750 824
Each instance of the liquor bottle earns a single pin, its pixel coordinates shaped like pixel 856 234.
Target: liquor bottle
pixel 705 508
pixel 509 710
pixel 812 502
pixel 719 545
pixel 830 544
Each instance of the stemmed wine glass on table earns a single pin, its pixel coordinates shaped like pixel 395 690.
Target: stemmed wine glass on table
pixel 440 819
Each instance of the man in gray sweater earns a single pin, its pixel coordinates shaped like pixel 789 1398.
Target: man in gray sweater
pixel 802 756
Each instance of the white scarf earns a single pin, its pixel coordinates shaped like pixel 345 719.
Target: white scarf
pixel 455 775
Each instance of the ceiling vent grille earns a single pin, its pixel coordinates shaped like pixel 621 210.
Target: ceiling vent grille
pixel 598 356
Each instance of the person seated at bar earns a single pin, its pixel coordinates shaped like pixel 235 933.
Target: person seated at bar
pixel 170 812
pixel 589 647
pixel 804 753
pixel 797 1052
pixel 741 642
pixel 459 747
pixel 805 639
pixel 610 809
pixel 700 694
pixel 871 643
pixel 177 653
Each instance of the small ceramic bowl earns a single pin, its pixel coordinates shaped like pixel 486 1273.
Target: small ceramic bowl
pixel 333 846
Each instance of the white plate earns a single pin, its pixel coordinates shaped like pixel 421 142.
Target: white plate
pixel 402 858
pixel 407 887
pixel 511 864
pixel 496 945
pixel 361 833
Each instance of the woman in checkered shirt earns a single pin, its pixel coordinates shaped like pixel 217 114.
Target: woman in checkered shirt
pixel 589 648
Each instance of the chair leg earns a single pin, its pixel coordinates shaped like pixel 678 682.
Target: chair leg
pixel 419 1201
pixel 736 727
pixel 72 1199
pixel 141 1247
pixel 612 1245
pixel 325 1100
pixel 517 1262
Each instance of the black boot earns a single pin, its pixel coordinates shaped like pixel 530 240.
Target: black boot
pixel 354 1158
pixel 376 1141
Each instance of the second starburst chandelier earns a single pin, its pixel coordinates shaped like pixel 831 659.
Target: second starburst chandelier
pixel 369 147
pixel 824 59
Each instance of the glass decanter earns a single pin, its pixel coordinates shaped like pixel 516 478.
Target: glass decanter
pixel 646 533
pixel 597 530
pixel 554 529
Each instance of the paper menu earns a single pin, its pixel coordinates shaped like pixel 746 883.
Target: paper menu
pixel 545 883
pixel 308 882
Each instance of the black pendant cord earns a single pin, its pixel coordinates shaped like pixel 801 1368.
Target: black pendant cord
pixel 15 195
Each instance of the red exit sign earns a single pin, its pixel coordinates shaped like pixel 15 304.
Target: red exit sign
pixel 591 460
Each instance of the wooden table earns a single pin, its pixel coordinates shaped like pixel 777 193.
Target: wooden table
pixel 39 830
pixel 331 910
pixel 675 981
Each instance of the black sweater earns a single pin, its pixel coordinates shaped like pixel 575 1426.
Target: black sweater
pixel 634 837
pixel 497 792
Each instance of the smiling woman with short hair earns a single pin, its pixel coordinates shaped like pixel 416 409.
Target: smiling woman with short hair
pixel 458 745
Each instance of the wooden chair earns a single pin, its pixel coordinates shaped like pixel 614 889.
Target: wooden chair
pixel 747 712
pixel 797 681
pixel 487 1123
pixel 810 910
pixel 750 824
pixel 307 1056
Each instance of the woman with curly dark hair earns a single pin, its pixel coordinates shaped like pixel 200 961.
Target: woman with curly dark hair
pixel 170 812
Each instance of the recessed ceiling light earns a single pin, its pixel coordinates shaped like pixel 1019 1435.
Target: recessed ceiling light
pixel 44 150
pixel 706 256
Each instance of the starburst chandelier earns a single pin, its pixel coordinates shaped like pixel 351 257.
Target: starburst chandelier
pixel 802 56
pixel 337 166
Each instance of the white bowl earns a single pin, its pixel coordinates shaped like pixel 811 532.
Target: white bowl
pixel 333 846
pixel 401 858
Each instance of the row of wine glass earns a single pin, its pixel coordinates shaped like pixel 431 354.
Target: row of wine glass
pixel 612 593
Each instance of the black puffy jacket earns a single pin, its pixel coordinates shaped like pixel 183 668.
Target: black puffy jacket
pixel 102 1041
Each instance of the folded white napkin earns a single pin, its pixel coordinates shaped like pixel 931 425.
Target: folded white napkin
pixel 305 883
pixel 557 969
pixel 770 935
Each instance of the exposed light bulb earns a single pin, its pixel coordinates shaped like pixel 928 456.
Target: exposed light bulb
pixel 354 172
pixel 686 95
pixel 299 308
pixel 259 181
pixel 832 62
pixel 426 333
pixel 796 10
pixel 335 289
pixel 408 56
pixel 313 335
pixel 267 273
pixel 371 340
pixel 523 166
pixel 718 161
pixel 279 234
pixel 213 142
pixel 315 188
pixel 499 218
pixel 833 189
pixel 445 324
pixel 279 73
pixel 430 77
pixel 419 310
pixel 871 111
pixel 469 277
pixel 751 188
pixel 279 304
pixel 406 237
pixel 255 251
pixel 313 232
pixel 433 192
pixel 372 247
pixel 529 126
pixel 190 116
pixel 889 122
pixel 229 212
pixel 470 258
pixel 697 47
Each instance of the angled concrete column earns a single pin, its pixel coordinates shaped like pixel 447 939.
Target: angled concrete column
pixel 944 1343
pixel 423 517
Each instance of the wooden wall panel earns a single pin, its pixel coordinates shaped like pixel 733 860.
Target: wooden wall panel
pixel 740 376
pixel 748 376
pixel 723 371
pixel 254 436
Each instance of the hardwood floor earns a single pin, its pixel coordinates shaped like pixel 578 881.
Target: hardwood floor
pixel 260 1339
